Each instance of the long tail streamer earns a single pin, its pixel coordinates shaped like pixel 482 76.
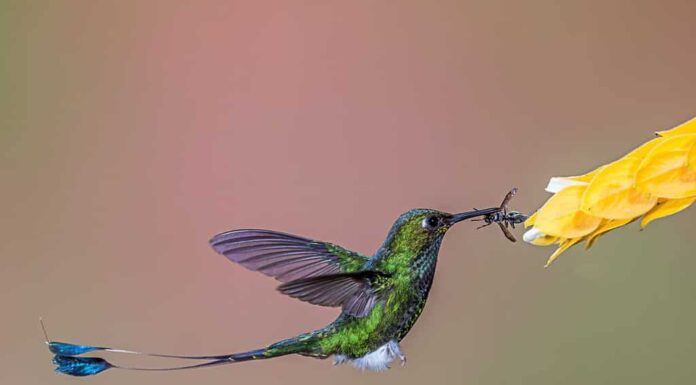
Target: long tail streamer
pixel 68 361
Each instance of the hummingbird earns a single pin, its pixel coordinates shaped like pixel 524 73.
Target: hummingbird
pixel 380 296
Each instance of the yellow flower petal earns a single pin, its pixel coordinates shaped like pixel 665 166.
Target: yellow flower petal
pixel 665 172
pixel 655 180
pixel 645 148
pixel 587 178
pixel 546 240
pixel 605 226
pixel 558 183
pixel 688 127
pixel 564 245
pixel 612 194
pixel 666 208
pixel 561 217
pixel 530 221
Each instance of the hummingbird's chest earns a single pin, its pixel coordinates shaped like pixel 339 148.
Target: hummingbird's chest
pixel 405 294
pixel 410 299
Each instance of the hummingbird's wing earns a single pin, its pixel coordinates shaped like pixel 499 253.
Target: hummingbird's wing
pixel 354 292
pixel 285 257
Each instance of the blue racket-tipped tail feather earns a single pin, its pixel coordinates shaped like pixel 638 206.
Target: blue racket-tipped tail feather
pixel 66 349
pixel 80 366
pixel 68 361
pixel 89 366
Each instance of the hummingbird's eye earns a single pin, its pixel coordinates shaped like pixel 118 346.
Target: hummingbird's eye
pixel 431 223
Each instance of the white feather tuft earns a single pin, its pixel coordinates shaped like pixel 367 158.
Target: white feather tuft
pixel 377 360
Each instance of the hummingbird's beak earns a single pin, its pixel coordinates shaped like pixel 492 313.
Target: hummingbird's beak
pixel 472 214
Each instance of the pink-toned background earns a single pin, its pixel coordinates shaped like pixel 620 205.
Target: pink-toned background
pixel 132 131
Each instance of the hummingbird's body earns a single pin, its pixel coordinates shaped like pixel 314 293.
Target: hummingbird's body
pixel 381 296
pixel 408 276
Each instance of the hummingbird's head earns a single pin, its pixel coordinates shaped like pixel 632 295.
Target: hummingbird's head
pixel 421 230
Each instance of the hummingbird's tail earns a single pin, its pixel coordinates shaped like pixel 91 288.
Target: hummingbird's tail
pixel 67 357
pixel 89 366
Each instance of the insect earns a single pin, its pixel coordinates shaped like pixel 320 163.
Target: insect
pixel 504 218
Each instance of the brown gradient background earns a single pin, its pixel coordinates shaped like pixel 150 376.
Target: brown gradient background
pixel 132 131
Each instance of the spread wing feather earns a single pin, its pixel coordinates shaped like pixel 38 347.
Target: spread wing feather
pixel 354 292
pixel 285 257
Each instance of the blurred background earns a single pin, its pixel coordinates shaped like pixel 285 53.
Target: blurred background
pixel 132 131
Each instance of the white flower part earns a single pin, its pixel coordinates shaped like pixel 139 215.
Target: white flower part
pixel 377 360
pixel 532 235
pixel 558 183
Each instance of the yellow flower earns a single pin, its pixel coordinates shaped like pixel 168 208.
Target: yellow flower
pixel 655 180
